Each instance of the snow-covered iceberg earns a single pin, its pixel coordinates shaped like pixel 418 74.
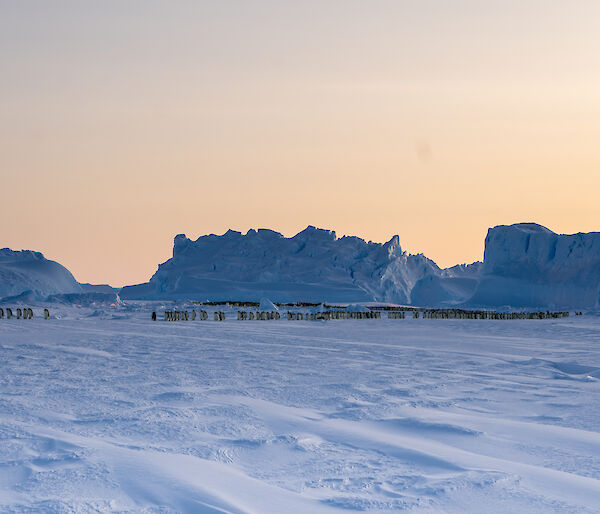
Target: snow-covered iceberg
pixel 27 277
pixel 22 271
pixel 267 305
pixel 314 265
pixel 527 265
pixel 452 286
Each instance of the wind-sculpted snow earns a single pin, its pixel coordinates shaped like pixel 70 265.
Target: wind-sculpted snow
pixel 130 415
pixel 30 271
pixel 314 265
pixel 527 265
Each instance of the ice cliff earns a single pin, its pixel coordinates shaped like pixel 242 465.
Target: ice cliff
pixel 527 265
pixel 314 265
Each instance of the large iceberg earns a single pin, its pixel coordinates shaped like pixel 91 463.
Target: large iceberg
pixel 314 265
pixel 25 270
pixel 27 277
pixel 527 265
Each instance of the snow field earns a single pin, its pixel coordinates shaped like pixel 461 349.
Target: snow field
pixel 127 415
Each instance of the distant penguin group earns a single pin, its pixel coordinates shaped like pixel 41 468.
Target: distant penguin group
pixel 25 313
pixel 20 313
pixel 185 316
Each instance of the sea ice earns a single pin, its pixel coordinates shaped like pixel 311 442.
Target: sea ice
pixel 114 412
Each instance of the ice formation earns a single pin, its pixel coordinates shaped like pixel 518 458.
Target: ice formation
pixel 314 265
pixel 30 271
pixel 525 266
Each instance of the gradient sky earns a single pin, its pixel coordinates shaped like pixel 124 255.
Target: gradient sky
pixel 125 123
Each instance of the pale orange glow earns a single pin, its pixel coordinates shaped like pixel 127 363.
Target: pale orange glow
pixel 120 129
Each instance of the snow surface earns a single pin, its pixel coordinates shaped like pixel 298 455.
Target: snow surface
pixel 103 410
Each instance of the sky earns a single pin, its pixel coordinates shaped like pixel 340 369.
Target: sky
pixel 125 123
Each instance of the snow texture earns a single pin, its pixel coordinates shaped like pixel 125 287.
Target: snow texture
pixel 105 410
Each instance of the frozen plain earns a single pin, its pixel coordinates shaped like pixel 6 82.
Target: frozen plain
pixel 103 410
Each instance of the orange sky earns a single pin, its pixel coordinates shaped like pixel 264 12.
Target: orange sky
pixel 125 123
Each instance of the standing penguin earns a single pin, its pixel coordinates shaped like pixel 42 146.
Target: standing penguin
pixel 46 314
pixel 153 316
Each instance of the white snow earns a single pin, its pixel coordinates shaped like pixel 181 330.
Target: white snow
pixel 105 410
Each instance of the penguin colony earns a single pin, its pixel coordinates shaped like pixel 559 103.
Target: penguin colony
pixel 202 315
pixel 339 314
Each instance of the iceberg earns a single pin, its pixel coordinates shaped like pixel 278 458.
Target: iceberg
pixel 528 265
